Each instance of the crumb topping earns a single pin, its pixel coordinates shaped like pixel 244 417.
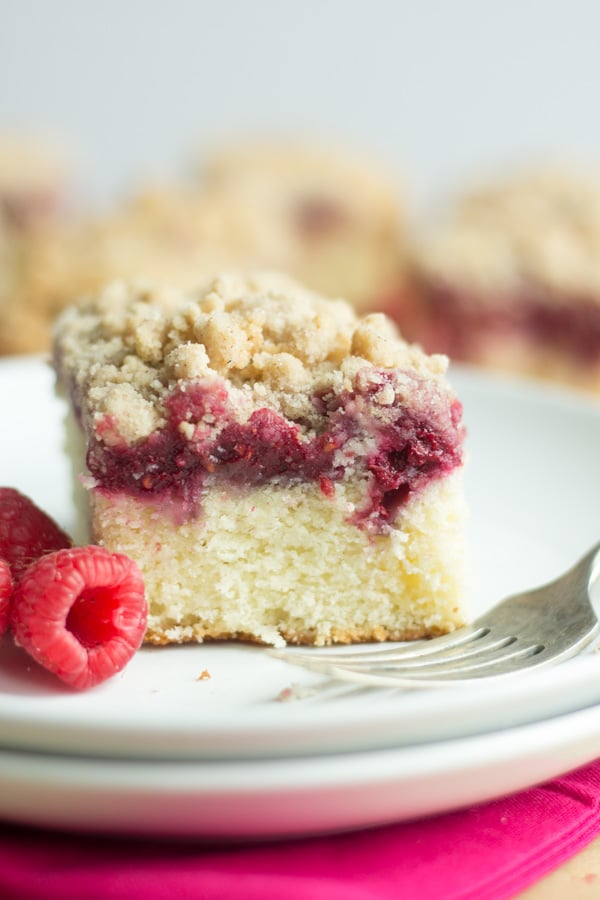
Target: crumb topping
pixel 271 343
pixel 540 228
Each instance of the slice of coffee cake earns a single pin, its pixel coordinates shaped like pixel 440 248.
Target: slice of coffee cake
pixel 510 279
pixel 280 469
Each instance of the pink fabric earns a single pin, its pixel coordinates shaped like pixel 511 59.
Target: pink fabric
pixel 486 852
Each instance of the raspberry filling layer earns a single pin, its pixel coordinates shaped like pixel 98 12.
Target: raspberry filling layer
pixel 459 318
pixel 399 448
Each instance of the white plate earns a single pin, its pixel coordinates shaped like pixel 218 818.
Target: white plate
pixel 289 797
pixel 534 491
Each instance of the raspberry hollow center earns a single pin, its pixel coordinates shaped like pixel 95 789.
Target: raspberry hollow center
pixel 92 617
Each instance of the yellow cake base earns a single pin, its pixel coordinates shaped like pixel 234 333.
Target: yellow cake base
pixel 283 564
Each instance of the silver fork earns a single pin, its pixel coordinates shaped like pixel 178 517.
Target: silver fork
pixel 523 632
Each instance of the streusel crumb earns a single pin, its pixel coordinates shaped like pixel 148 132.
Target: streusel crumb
pixel 277 343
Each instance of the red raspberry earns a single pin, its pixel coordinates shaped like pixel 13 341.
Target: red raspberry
pixel 81 613
pixel 26 532
pixel 6 589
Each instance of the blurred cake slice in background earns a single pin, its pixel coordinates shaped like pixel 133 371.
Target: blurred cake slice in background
pixel 334 223
pixel 36 194
pixel 35 181
pixel 165 234
pixel 330 218
pixel 279 468
pixel 510 278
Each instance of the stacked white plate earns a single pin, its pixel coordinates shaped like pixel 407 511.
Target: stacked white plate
pixel 197 741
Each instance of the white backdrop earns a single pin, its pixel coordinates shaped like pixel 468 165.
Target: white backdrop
pixel 435 87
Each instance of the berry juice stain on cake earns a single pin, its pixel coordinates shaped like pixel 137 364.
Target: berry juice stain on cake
pixel 279 468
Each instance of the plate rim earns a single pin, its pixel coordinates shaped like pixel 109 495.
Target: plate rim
pixel 290 798
pixel 289 720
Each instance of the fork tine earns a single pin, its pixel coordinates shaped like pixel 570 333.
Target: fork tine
pixel 482 651
pixel 424 680
pixel 376 659
pixel 462 665
pixel 420 648
pixel 501 654
pixel 432 676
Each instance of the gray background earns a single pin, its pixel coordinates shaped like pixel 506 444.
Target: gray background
pixel 436 89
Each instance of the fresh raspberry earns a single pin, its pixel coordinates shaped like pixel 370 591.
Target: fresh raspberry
pixel 81 613
pixel 26 532
pixel 6 589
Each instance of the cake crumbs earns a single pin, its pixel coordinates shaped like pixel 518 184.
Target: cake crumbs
pixel 296 691
pixel 204 675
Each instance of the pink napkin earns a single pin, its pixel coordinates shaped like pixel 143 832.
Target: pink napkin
pixel 490 851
